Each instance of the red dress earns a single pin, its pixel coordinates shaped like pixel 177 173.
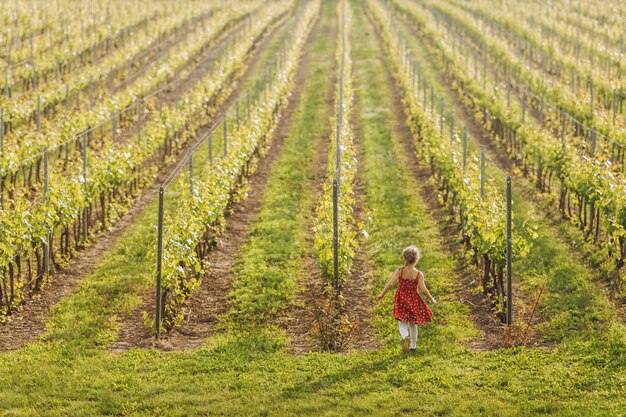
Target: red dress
pixel 408 305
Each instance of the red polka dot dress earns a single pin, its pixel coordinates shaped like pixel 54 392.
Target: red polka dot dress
pixel 408 305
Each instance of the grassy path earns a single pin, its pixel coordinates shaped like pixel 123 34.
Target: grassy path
pixel 399 216
pixel 270 263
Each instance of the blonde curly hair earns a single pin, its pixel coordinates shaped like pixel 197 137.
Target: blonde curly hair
pixel 411 255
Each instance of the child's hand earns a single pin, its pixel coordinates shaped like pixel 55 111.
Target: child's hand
pixel 433 301
pixel 380 297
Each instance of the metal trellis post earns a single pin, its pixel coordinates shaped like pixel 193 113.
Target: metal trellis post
pixel 335 234
pixel 509 255
pixel 482 171
pixel 157 323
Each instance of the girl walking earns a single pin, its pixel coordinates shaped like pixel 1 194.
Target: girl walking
pixel 408 307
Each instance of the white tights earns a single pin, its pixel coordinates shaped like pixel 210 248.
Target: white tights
pixel 407 329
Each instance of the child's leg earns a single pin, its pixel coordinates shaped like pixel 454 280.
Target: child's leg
pixel 404 329
pixel 413 331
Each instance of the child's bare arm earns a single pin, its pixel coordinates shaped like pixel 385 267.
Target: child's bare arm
pixel 390 284
pixel 422 287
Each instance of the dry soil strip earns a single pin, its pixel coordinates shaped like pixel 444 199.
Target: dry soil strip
pixel 357 289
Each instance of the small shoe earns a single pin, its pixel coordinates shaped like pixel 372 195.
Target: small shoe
pixel 412 351
pixel 405 344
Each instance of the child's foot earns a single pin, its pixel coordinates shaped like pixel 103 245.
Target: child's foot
pixel 412 351
pixel 406 344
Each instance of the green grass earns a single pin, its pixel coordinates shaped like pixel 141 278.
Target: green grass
pixel 399 217
pixel 269 265
pixel 215 380
pixel 254 375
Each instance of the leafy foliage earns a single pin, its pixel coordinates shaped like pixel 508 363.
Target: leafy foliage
pixel 347 229
pixel 597 188
pixel 27 227
pixel 197 221
pixel 483 219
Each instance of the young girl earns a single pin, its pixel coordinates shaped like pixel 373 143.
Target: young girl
pixel 408 307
